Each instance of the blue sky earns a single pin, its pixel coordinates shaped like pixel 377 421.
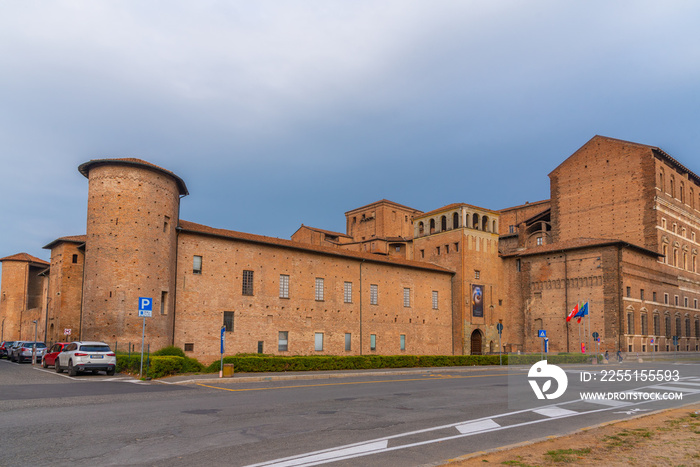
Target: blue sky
pixel 277 113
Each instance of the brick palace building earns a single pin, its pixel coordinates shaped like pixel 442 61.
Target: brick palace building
pixel 620 232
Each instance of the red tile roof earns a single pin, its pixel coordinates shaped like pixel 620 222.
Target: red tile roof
pixel 327 232
pixel 25 257
pixel 85 169
pixel 192 227
pixel 383 201
pixel 575 244
pixel 452 206
pixel 69 239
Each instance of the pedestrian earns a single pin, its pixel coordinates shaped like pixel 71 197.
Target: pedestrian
pixel 607 357
pixel 619 356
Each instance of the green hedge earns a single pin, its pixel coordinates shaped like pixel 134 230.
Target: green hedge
pixel 158 366
pixel 252 364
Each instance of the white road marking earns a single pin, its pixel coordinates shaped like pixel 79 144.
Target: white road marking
pixel 554 412
pixel 473 427
pixel 329 455
pixel 674 388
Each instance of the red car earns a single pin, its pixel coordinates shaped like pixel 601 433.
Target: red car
pixel 50 357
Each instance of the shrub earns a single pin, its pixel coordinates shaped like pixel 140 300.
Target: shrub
pixel 172 350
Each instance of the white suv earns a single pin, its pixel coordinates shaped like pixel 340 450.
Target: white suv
pixel 86 356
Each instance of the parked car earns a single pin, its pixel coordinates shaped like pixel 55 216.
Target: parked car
pixel 25 351
pixel 52 353
pixel 13 349
pixel 86 356
pixel 4 349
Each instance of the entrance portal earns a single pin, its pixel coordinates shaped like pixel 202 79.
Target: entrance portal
pixel 476 342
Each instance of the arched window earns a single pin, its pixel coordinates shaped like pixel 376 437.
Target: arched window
pixel 667 324
pixel 685 260
pixel 682 193
pixel 432 226
pixel 493 229
pixel 678 326
pixel 475 221
pixel 443 223
pixel 697 327
pixel 421 228
pixel 692 198
pixel 675 257
pixel 673 187
pixel 664 251
pixel 694 263
pixel 485 224
pixel 455 220
pixel 657 325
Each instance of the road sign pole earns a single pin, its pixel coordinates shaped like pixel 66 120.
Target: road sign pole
pixel 500 357
pixel 143 336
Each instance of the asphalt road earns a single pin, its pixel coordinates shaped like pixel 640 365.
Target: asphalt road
pixel 420 418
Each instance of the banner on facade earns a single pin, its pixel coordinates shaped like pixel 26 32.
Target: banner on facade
pixel 478 300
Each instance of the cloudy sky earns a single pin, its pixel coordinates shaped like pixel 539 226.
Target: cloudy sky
pixel 278 113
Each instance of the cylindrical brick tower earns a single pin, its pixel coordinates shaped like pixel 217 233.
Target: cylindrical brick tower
pixel 130 252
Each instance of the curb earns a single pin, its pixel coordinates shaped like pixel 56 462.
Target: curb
pixel 356 374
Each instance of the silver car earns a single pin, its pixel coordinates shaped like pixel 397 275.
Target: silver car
pixel 86 356
pixel 23 352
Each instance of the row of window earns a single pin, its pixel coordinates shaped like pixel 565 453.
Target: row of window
pixel 674 229
pixel 677 301
pixel 283 339
pixel 319 339
pixel 680 261
pixel 678 191
pixel 319 289
pixel 474 222
pixel 667 323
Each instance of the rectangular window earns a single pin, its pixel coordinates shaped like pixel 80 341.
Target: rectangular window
pixel 372 342
pixel 164 303
pixel 189 347
pixel 630 323
pixel 228 321
pixel 373 294
pixel 318 342
pixel 284 286
pixel 517 265
pixel 348 342
pixel 402 341
pixel 75 259
pixel 283 343
pixel 657 326
pixel 347 292
pixel 438 251
pixel 247 282
pixel 447 249
pixel 197 265
pixel 435 300
pixel 644 325
pixel 666 298
pixel 539 240
pixel 319 289
pixel 653 296
pixel 641 294
pixel 511 229
pixel 477 274
pixel 457 247
pixel 676 300
pixel 406 297
pixel 685 302
pixel 695 303
pixel 422 253
pixel 629 292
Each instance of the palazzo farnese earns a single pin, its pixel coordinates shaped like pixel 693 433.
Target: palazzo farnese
pixel 620 232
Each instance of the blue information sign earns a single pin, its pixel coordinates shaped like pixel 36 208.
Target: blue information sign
pixel 542 333
pixel 145 307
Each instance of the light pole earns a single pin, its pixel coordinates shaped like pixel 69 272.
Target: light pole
pixel 34 347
